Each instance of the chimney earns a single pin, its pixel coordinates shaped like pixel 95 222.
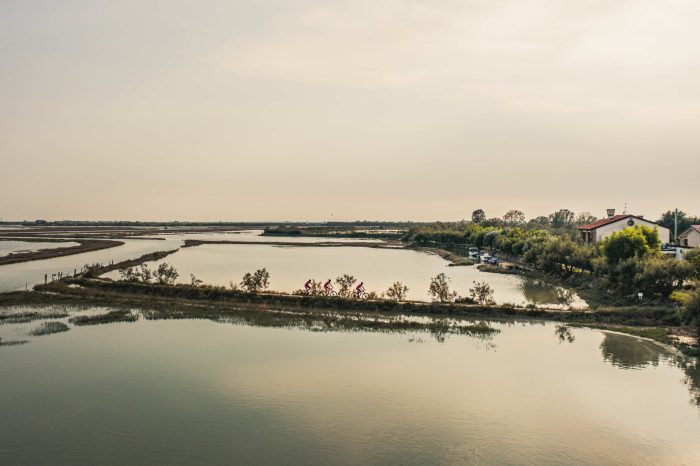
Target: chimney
pixel 611 213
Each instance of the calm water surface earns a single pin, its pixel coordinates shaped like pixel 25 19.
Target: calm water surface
pixel 16 276
pixel 201 392
pixel 14 246
pixel 291 266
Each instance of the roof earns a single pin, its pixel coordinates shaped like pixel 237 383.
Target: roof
pixel 613 219
pixel 692 227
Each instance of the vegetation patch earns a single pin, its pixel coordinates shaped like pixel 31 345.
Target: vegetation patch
pixel 12 342
pixel 47 328
pixel 84 246
pixel 118 315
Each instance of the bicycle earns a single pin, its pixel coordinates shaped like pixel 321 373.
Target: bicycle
pixel 361 295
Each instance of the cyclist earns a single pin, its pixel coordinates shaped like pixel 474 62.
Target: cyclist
pixel 307 285
pixel 328 286
pixel 360 289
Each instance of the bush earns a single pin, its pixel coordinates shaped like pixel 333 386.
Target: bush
pixel 482 293
pixel 165 274
pixel 397 291
pixel 345 284
pixel 692 308
pixel 136 274
pixel 439 289
pixel 693 258
pixel 257 281
pixel 631 242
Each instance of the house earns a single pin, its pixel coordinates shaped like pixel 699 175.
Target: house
pixel 598 231
pixel 690 237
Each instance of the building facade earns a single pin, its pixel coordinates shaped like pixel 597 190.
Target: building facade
pixel 690 237
pixel 598 231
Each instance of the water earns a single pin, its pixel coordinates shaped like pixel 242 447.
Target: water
pixel 201 392
pixel 291 266
pixel 15 276
pixel 15 246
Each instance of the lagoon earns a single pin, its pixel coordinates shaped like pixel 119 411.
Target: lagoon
pixel 205 392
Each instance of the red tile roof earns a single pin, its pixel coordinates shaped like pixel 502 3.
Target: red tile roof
pixel 605 221
pixel 616 218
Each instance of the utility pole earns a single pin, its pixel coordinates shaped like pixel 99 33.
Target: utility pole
pixel 675 227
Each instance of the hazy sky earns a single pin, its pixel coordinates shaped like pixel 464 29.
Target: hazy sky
pixel 349 109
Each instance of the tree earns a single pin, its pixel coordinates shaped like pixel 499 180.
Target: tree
pixel 145 274
pixel 539 222
pixel 661 276
pixel 693 258
pixel 692 307
pixel 439 289
pixel 584 218
pixel 128 274
pixel 397 291
pixel 562 218
pixel 564 297
pixel 514 217
pixel 165 274
pixel 478 216
pixel 630 242
pixel 345 283
pixel 259 280
pixel 482 293
pixel 194 281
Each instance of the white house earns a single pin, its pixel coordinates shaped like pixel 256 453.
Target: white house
pixel 598 231
pixel 690 237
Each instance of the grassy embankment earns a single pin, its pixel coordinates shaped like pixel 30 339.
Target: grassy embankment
pixel 657 322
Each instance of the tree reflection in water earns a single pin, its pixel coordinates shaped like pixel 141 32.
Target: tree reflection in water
pixel 626 352
pixel 564 333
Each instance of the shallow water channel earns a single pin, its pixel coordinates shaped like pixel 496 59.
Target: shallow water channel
pixel 291 266
pixel 206 392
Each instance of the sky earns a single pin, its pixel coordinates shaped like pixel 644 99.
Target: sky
pixel 347 110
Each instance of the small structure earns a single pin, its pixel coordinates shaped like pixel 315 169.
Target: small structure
pixel 598 231
pixel 690 237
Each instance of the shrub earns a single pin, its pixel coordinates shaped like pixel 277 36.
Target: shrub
pixel 397 291
pixel 693 258
pixel 439 289
pixel 692 307
pixel 165 274
pixel 254 282
pixel 136 274
pixel 194 281
pixel 345 284
pixel 631 242
pixel 482 293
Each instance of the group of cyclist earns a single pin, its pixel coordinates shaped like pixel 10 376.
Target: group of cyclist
pixel 328 288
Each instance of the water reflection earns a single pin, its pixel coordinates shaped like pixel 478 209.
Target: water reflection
pixel 618 351
pixel 564 334
pixel 200 390
pixel 539 292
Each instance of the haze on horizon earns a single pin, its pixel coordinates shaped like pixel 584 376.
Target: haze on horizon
pixel 344 110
